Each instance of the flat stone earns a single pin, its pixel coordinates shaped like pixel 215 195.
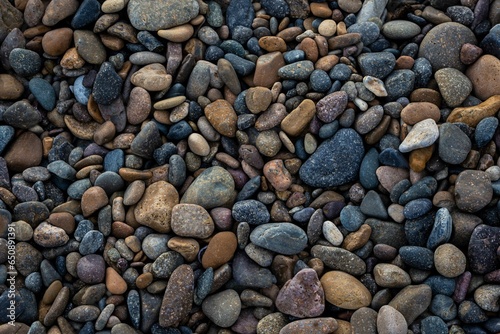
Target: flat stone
pixel 423 134
pixel 297 121
pixel 485 70
pixel 222 116
pixel 412 301
pixel 191 220
pixel 178 297
pixel 474 114
pixel 222 308
pixel 287 238
pixel 24 152
pixel 152 77
pixel 449 260
pixel 391 321
pixel 318 325
pixel 220 250
pixel 473 190
pixel 453 85
pixel 148 15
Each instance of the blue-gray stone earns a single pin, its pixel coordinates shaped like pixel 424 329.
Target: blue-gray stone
pixel 294 56
pixel 373 206
pixel 485 130
pixel 441 231
pixel 369 164
pixel 105 220
pixel 22 115
pixel 241 66
pixel 88 12
pixel 389 141
pixel 492 325
pixel 249 189
pixel 134 308
pixel 386 232
pixel 114 160
pixel 300 70
pixel 369 31
pixel 166 263
pixel 454 144
pixel 282 238
pixel 461 14
pixel 247 273
pixel 203 285
pixel 25 62
pixel 335 162
pixel 250 211
pixel 491 42
pixel 33 282
pixel 163 153
pixel 110 181
pixel 43 92
pixel 254 47
pixel 417 230
pixel 424 188
pixel 77 188
pixel 242 34
pixel 398 189
pixel 423 72
pixel 329 129
pixel 377 64
pixel 240 13
pixel 81 92
pixel 276 8
pixel 232 46
pixel 392 157
pixel 340 72
pixel 6 135
pixel 444 307
pixel 25 304
pixel 441 285
pixel 417 257
pixel 470 313
pixel 49 274
pixel 245 121
pixel 302 216
pixel 62 169
pixel 176 170
pixel 417 208
pixel 399 83
pixel 154 245
pixel 91 242
pixel 213 53
pixel 483 244
pixel 352 218
pixel 179 131
pixel 433 325
pixel 146 141
pixel 107 84
pixel 320 81
pixel 215 18
pixel 150 41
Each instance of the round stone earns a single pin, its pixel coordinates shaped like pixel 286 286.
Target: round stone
pixel 449 260
pixel 345 291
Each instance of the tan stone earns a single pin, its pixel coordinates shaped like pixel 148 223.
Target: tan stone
pixel 115 284
pixel 474 114
pixel 345 291
pixel 93 199
pixel 79 129
pixel 258 99
pixel 177 34
pixel 266 69
pixel 187 247
pixel 155 207
pixel 191 220
pixel 485 76
pixel 57 41
pixel 222 116
pixel 152 77
pixel 10 87
pixel 415 112
pixel 72 60
pixel 272 43
pixel 297 121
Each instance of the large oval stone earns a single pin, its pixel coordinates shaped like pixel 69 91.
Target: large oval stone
pixel 335 162
pixel 154 15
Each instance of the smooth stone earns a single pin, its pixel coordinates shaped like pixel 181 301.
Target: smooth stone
pixel 248 274
pixel 91 269
pixel 473 190
pixel 10 87
pixel 423 134
pixel 21 115
pixel 107 84
pixel 346 147
pixel 399 83
pixel 412 301
pixel 485 130
pixel 391 321
pixel 250 211
pixel 320 325
pixel 89 47
pixel 449 261
pixel 390 276
pixel 444 307
pixel 191 220
pixel 331 106
pixel 220 250
pixel 43 92
pixel 364 320
pixel 178 297
pixel 442 44
pixel 146 15
pixel 377 64
pixel 345 291
pixel 155 207
pixel 47 235
pixel 339 259
pixel 166 263
pixel 417 257
pixel 287 238
pixel 482 249
pixel 24 152
pixel 25 63
pixel 482 74
pixel 212 188
pixel 146 141
pixel 433 324
pixel 453 85
pixel 223 308
pixel 441 231
pixel 474 114
pixel 152 77
pixel 400 29
pixel 154 245
pixel 454 144
pixel 300 70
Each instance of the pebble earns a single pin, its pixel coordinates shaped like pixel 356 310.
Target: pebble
pixel 484 70
pixel 423 134
pixel 390 320
pixel 399 29
pixel 178 296
pixel 228 314
pixel 345 291
pixel 473 190
pixel 191 220
pixel 25 62
pixel 454 144
pixel 287 238
pixel 453 85
pixel 412 301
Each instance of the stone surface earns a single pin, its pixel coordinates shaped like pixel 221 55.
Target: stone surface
pixel 345 291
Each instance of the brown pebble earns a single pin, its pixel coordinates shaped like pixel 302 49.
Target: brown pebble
pixel 104 133
pixel 114 282
pixel 276 173
pixel 56 42
pixel 24 152
pixel 420 157
pixel 484 75
pixel 298 120
pixel 474 114
pixel 220 250
pixel 10 87
pixel 415 112
pixel 258 99
pixel 93 199
pixel 320 9
pixel 272 43
pixel 144 280
pixel 187 247
pixel 222 116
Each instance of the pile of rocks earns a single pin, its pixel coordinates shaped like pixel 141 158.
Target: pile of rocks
pixel 239 166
